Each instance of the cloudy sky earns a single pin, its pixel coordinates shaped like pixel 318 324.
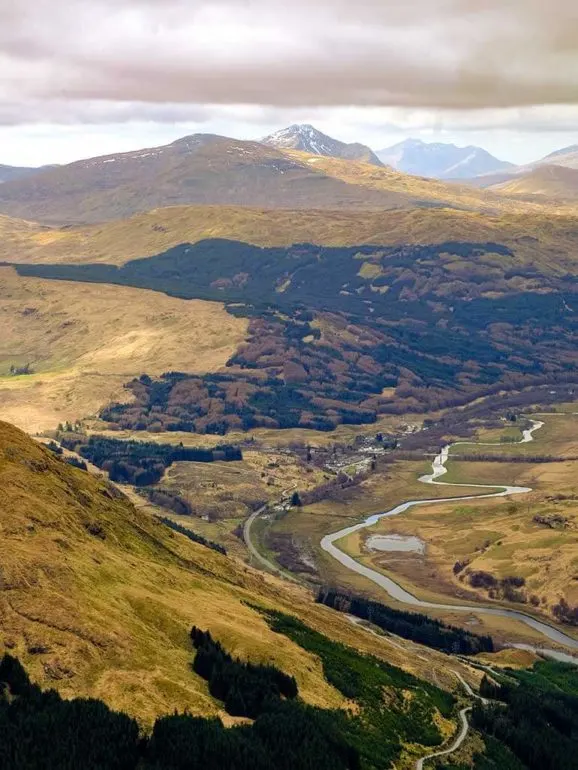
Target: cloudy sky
pixel 87 77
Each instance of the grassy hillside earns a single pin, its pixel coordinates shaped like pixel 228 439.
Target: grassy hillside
pixel 201 169
pixel 545 238
pixel 547 181
pixel 84 342
pixel 462 196
pixel 98 599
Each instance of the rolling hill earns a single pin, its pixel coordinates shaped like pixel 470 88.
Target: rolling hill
pixel 308 139
pixel 544 238
pixel 8 173
pixel 441 161
pixel 344 334
pixel 549 181
pixel 202 169
pixel 567 157
pixel 83 345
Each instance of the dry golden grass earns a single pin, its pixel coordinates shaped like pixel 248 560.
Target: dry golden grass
pixel 508 658
pixel 85 342
pixel 545 235
pixel 222 490
pixel 419 188
pixel 108 614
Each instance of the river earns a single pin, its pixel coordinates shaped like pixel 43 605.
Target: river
pixel 397 592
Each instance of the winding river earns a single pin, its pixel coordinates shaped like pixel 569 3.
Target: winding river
pixel 400 594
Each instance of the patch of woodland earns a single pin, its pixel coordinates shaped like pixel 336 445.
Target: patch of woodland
pixel 142 463
pixel 332 329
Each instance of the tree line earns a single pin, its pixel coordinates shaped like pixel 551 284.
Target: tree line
pixel 409 625
pixel 142 463
pixel 194 536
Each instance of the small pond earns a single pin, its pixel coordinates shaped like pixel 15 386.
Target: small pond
pixel 404 543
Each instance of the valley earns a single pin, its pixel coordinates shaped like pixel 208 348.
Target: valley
pixel 239 361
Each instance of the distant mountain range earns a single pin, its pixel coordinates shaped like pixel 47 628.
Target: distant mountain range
pixel 206 169
pixel 549 181
pixel 199 169
pixel 8 173
pixel 441 161
pixel 308 139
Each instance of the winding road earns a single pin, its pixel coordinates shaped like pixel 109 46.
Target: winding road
pixel 396 591
pixel 460 738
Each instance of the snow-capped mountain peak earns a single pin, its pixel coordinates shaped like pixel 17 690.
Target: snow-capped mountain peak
pixel 307 138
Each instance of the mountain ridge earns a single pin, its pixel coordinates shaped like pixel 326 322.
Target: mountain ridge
pixel 308 139
pixel 200 169
pixel 440 160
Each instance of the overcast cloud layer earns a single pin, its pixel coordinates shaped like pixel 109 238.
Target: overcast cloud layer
pixel 463 63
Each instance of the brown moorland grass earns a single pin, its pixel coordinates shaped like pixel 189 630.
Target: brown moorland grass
pixel 224 490
pixel 84 342
pixel 545 237
pixel 98 598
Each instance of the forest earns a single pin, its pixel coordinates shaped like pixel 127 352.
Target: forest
pixel 530 723
pixel 333 328
pixel 409 625
pixel 141 463
pixel 41 731
pixel 536 717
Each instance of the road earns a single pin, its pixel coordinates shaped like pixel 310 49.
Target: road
pixel 465 726
pixel 254 552
pixel 396 591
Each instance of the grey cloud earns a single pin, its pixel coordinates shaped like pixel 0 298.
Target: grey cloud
pixel 122 55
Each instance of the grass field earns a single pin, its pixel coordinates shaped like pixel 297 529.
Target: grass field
pixel 84 342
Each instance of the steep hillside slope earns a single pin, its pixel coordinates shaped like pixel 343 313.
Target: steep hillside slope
pixel 310 140
pixel 97 598
pixel 202 168
pixel 83 343
pixel 441 161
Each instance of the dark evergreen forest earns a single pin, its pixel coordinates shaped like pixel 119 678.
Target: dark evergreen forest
pixel 142 463
pixel 443 323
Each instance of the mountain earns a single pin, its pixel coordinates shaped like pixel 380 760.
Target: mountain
pixel 98 599
pixel 8 173
pixel 308 139
pixel 551 181
pixel 567 156
pixel 203 169
pixel 441 161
